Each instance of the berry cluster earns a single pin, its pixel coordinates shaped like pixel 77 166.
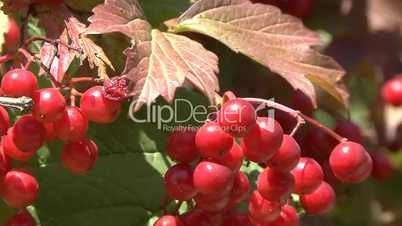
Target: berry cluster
pixel 208 174
pixel 50 119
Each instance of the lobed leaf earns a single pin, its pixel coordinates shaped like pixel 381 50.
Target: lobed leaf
pixel 276 40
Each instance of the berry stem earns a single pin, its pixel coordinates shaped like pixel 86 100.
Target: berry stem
pixel 54 42
pixel 20 103
pixel 176 209
pixel 85 79
pixel 6 57
pixel 298 115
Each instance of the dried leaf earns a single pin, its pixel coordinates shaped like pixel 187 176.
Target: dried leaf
pixel 263 33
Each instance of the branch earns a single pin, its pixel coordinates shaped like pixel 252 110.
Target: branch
pixel 20 103
pixel 54 42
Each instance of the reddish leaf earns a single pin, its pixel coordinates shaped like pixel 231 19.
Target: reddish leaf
pixel 384 15
pixel 263 33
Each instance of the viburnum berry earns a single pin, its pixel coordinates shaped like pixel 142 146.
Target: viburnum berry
pixel 237 117
pixel 308 176
pixel 11 149
pixel 241 187
pixel 72 125
pixel 20 189
pixel 212 178
pixel 233 159
pixel 349 130
pixel 179 182
pixel 98 108
pixel 18 83
pixel 350 162
pixel 168 220
pixel 181 145
pixel 319 142
pixel 275 185
pixel 50 133
pixel 299 8
pixel 288 217
pixel 301 101
pixel 21 218
pixel 79 156
pixel 4 121
pixel 116 88
pixel 287 156
pixel 48 105
pixel 263 211
pixel 392 91
pixel 29 133
pixel 5 163
pixel 211 203
pixel 12 37
pixel 196 217
pixel 236 219
pixel 321 201
pixel 263 140
pixel 382 166
pixel 212 141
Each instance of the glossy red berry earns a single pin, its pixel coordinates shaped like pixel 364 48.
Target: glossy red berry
pixel 308 176
pixel 263 140
pixel 79 156
pixel 179 182
pixel 240 190
pixel 48 105
pixel 18 83
pixel 29 133
pixel 288 217
pixel 20 189
pixel 11 149
pixel 72 125
pixel 236 219
pixel 392 91
pixel 287 156
pixel 382 166
pixel 261 210
pixel 321 201
pixel 196 218
pixel 349 130
pixel 50 134
pixel 233 159
pixel 212 178
pixel 301 101
pixel 5 163
pixel 350 162
pixel 275 185
pixel 12 37
pixel 168 220
pixel 4 121
pixel 98 108
pixel 211 203
pixel 237 117
pixel 181 145
pixel 21 218
pixel 212 141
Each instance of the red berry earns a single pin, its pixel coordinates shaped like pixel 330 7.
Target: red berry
pixel 179 182
pixel 350 162
pixel 29 133
pixel 236 219
pixel 181 145
pixel 196 218
pixel 263 140
pixel 288 217
pixel 98 108
pixel 168 220
pixel 301 101
pixel 79 156
pixel 211 203
pixel 275 185
pixel 117 88
pixel 308 176
pixel 321 201
pixel 349 130
pixel 392 91
pixel 382 166
pixel 12 37
pixel 237 117
pixel 241 187
pixel 22 218
pixel 11 149
pixel 4 121
pixel 18 83
pixel 212 178
pixel 50 134
pixel 72 126
pixel 20 189
pixel 232 159
pixel 5 163
pixel 48 105
pixel 299 8
pixel 319 142
pixel 287 156
pixel 261 210
pixel 212 141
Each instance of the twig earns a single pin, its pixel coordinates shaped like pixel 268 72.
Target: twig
pixel 6 57
pixel 298 115
pixel 20 103
pixel 85 79
pixel 54 42
pixel 300 122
